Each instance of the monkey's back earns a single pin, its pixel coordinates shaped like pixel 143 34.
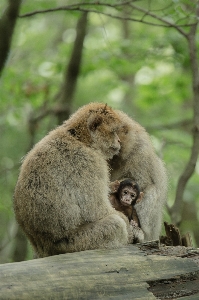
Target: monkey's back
pixel 54 193
pixel 137 160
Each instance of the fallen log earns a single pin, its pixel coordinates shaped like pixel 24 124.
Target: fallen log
pixel 125 273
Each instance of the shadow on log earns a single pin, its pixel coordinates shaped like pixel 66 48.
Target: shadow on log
pixel 131 272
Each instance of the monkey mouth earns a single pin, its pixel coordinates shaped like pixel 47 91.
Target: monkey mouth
pixel 112 153
pixel 115 150
pixel 126 203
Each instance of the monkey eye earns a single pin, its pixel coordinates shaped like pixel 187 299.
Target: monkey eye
pixel 133 196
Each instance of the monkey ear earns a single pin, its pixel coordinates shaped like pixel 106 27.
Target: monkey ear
pixel 94 121
pixel 140 197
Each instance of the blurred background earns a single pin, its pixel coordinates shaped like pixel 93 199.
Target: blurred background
pixel 137 56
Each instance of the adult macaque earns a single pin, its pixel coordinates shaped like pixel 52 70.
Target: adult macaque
pixel 123 196
pixel 137 160
pixel 61 196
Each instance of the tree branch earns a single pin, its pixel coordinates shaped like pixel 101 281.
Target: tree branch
pixel 163 20
pixel 78 7
pixel 7 25
pixel 72 71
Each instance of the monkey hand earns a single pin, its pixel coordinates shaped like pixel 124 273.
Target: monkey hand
pixel 114 186
pixel 138 234
pixel 134 223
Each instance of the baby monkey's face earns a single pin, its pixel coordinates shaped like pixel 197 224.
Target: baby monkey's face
pixel 128 195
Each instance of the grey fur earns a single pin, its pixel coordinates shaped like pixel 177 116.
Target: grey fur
pixel 61 196
pixel 137 160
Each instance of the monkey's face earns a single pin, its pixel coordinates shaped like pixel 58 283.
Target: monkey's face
pixel 104 135
pixel 109 142
pixel 128 196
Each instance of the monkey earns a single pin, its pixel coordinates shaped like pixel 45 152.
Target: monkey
pixel 137 160
pixel 123 196
pixel 61 195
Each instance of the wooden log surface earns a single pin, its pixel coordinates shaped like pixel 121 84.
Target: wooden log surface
pixel 122 273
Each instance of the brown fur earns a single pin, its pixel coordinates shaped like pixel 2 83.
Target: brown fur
pixel 61 197
pixel 137 160
pixel 129 211
pixel 116 188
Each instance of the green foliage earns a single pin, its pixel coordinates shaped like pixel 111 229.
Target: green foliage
pixel 144 71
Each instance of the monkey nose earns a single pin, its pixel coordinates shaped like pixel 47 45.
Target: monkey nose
pixel 118 139
pixel 128 200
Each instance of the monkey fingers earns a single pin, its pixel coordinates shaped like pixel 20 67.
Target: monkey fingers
pixel 134 223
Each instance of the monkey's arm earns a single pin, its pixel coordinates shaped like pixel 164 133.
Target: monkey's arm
pixel 135 234
pixel 111 231
pixel 131 236
pixel 134 218
pixel 138 234
pixel 149 213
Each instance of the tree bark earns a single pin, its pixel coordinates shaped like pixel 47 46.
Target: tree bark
pixel 7 25
pixel 72 71
pixel 176 210
pixel 123 273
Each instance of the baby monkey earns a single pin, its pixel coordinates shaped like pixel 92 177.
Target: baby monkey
pixel 123 196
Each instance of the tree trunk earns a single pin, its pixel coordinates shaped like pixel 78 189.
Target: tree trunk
pixel 72 71
pixel 176 211
pixel 7 25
